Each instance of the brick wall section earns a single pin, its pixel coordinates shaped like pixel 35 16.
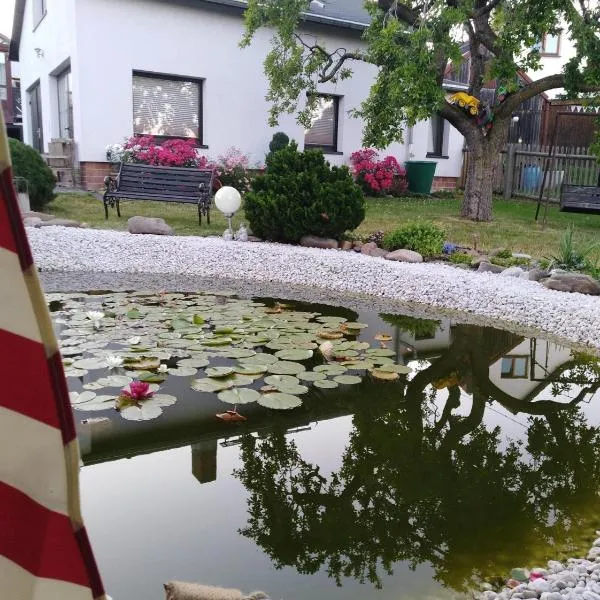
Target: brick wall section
pixel 444 183
pixel 93 174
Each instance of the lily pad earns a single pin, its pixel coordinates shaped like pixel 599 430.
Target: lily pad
pixel 80 398
pixel 183 371
pixel 312 376
pixel 294 354
pixel 99 403
pixel 331 369
pixel 239 396
pixel 211 385
pixel 384 375
pixel 261 358
pixel 114 381
pixel 279 401
pixel 329 334
pixel 278 380
pixel 347 379
pixel 380 352
pixel 217 341
pixel 219 371
pixel 89 364
pixel 239 353
pixel 196 363
pixel 284 367
pixel 70 372
pixel 326 384
pixel 358 365
pixel 400 369
pixel 250 369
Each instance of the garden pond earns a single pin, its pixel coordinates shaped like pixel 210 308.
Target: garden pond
pixel 318 452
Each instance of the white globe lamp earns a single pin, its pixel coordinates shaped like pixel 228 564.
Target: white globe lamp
pixel 228 201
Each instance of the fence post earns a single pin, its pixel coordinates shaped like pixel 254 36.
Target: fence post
pixel 509 171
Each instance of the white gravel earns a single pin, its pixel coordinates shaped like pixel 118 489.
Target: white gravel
pixel 574 317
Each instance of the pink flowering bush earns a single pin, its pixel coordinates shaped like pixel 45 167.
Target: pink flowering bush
pixel 233 169
pixel 377 176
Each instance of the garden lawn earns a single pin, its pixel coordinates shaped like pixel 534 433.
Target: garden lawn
pixel 513 226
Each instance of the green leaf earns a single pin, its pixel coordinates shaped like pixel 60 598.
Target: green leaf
pixel 239 396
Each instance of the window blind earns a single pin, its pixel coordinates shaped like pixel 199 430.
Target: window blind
pixel 166 106
pixel 322 131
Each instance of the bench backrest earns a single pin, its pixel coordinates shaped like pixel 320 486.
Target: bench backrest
pixel 580 196
pixel 175 182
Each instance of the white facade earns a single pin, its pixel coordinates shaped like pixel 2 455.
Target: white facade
pixel 104 41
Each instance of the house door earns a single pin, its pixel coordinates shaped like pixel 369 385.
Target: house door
pixel 65 105
pixel 35 107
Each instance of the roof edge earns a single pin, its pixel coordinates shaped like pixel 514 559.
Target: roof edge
pixel 15 40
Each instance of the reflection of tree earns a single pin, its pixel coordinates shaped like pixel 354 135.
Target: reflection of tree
pixel 419 485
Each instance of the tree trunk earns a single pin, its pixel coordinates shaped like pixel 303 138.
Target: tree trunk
pixel 484 160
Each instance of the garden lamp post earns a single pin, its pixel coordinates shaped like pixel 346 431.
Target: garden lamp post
pixel 228 201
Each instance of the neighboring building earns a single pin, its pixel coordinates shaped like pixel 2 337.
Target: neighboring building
pixel 10 91
pixel 98 71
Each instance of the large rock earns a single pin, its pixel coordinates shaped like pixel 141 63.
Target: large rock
pixel 538 274
pixel 37 215
pixel 369 248
pixel 32 222
pixel 346 245
pixel 60 222
pixel 573 282
pixel 404 256
pixel 512 272
pixel 486 267
pixel 379 253
pixel 313 241
pixel 149 225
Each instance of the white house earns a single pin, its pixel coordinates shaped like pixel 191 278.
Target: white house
pixel 98 71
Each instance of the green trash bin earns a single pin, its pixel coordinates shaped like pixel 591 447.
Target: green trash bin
pixel 420 175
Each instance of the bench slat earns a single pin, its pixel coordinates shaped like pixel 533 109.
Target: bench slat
pixel 580 198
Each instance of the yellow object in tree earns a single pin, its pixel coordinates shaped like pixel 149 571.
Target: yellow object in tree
pixel 465 101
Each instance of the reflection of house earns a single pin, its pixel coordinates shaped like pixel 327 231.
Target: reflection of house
pixel 204 460
pixel 428 342
pixel 185 83
pixel 524 371
pixel 10 91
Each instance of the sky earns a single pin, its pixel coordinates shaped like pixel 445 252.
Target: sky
pixel 7 8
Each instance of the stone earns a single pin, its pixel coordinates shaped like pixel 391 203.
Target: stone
pixel 32 222
pixel 368 248
pixel 526 594
pixel 520 574
pixel 477 260
pixel 38 215
pixel 379 253
pixel 253 238
pixel 488 595
pixel 149 225
pixel 593 553
pixel 404 256
pixel 512 272
pixel 357 245
pixel 589 595
pixel 346 245
pixel 520 255
pixel 486 267
pixel 538 275
pixel 553 565
pixel 539 572
pixel 513 583
pixel 313 241
pixel 573 282
pixel 540 585
pixel 59 222
pixel 551 596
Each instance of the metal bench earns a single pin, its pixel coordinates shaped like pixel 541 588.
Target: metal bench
pixel 166 184
pixel 580 198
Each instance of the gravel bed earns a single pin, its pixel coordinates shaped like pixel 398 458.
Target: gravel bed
pixel 515 302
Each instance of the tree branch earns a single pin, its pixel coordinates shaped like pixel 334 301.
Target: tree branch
pixel 488 8
pixel 402 12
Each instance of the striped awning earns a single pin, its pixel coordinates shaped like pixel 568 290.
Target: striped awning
pixel 44 549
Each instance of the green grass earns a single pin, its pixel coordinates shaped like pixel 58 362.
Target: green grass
pixel 513 226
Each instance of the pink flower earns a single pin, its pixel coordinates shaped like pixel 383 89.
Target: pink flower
pixel 137 390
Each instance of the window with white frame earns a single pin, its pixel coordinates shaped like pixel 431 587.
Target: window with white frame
pixel 323 132
pixel 550 45
pixel 167 106
pixel 39 11
pixel 514 367
pixel 438 138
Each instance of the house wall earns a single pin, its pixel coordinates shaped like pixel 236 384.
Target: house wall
pixel 169 38
pixel 54 35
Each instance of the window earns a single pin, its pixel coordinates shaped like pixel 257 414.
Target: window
pixel 438 143
pixel 323 132
pixel 17 110
pixel 39 11
pixel 3 77
pixel 65 104
pixel 550 45
pixel 514 367
pixel 167 106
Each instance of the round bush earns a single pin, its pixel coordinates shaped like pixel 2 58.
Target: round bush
pixel 29 164
pixel 301 194
pixel 280 140
pixel 423 237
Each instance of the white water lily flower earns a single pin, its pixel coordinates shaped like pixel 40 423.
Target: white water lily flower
pixel 95 316
pixel 136 339
pixel 113 361
pixel 163 368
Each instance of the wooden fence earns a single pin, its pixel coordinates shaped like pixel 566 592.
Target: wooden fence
pixel 522 168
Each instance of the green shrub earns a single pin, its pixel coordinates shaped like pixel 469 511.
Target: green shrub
pixel 422 237
pixel 278 141
pixel 301 194
pixel 420 328
pixel 570 257
pixel 460 258
pixel 509 262
pixel 29 164
pixel 505 253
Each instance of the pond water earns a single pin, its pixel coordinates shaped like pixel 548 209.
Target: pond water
pixel 406 458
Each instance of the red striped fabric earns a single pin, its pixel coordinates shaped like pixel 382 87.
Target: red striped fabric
pixel 44 549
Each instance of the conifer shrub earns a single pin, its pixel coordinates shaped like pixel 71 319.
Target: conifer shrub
pixel 301 194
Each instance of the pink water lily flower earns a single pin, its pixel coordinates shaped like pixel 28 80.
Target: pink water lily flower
pixel 137 390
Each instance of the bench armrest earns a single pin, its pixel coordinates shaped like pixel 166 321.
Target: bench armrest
pixel 111 182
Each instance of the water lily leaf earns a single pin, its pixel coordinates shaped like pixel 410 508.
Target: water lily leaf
pixel 284 367
pixel 219 371
pixel 359 365
pixel 72 351
pixel 383 337
pixel 144 363
pixel 217 341
pixel 99 403
pixel 177 324
pixel 347 379
pixel 278 380
pixel 294 354
pixel 380 352
pixel 329 334
pixel 183 371
pixel 331 320
pixel 279 345
pixel 295 390
pixel 114 381
pixel 312 376
pixel 262 358
pixel 353 326
pixel 223 330
pixel 93 385
pixel 239 396
pixel 231 415
pixel 211 385
pixel 238 379
pixel 279 401
pixel 161 400
pixel 381 360
pixel 134 313
pixel 149 377
pixel 400 369
pixel 196 362
pixel 89 364
pixel 79 398
pixel 331 369
pixel 198 320
pixel 239 353
pixel 70 372
pixel 169 335
pixel 384 375
pixel 326 384
pixel 250 369
pixel 144 412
